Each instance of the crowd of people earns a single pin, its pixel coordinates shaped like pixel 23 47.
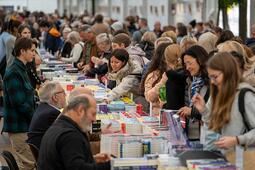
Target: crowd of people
pixel 198 69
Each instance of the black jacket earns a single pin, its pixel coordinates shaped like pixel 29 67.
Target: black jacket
pixel 66 49
pixel 42 119
pixel 175 89
pixel 148 48
pixel 32 74
pixel 64 147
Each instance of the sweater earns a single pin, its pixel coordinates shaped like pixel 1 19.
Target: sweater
pixel 65 146
pixel 236 126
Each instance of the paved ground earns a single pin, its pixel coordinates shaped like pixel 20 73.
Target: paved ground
pixel 4 143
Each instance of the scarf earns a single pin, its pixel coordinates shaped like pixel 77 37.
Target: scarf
pixel 196 86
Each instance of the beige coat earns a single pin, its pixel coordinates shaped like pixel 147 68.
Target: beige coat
pixel 125 81
pixel 151 92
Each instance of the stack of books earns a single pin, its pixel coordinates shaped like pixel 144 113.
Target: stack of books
pixel 130 149
pixel 134 164
pixel 210 164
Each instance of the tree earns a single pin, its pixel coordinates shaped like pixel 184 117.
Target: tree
pixel 243 19
pixel 93 7
pixel 223 6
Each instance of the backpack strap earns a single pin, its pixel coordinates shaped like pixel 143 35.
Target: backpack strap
pixel 241 106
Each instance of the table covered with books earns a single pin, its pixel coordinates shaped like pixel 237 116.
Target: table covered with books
pixel 143 141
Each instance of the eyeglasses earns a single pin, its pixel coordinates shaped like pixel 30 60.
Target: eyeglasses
pixel 63 91
pixel 214 77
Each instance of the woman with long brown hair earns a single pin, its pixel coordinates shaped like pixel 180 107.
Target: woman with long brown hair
pixel 194 61
pixel 222 112
pixel 154 76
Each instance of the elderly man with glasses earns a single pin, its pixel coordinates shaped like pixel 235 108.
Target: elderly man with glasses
pixel 52 100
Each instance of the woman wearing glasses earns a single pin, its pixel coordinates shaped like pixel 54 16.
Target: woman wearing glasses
pixel 221 113
pixel 194 60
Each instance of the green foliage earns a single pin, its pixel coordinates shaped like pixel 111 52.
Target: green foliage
pixel 229 3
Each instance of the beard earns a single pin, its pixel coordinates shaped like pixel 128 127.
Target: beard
pixel 85 125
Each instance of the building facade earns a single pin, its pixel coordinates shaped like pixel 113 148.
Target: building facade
pixel 47 6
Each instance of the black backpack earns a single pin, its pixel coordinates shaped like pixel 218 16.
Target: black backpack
pixel 241 106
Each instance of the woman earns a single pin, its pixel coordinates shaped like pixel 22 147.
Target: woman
pixel 187 41
pixel 207 41
pixel 76 53
pixel 176 78
pixel 225 35
pixel 124 72
pixel 25 31
pixel 67 46
pixel 147 43
pixel 155 77
pixel 249 66
pixel 170 34
pixel 194 60
pixel 222 112
pixel 101 64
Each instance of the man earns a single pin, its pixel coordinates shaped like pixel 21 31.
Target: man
pixel 100 27
pixel 65 145
pixel 251 41
pixel 52 99
pixel 90 48
pixel 143 27
pixel 19 102
pixel 83 90
pixel 51 37
pixel 199 29
pixel 157 29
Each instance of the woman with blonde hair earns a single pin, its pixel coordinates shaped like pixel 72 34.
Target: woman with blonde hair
pixel 76 53
pixel 222 113
pixel 162 40
pixel 147 44
pixel 176 78
pixel 249 64
pixel 170 34
pixel 208 41
pixel 187 41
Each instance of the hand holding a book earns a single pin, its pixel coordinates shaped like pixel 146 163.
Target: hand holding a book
pixel 226 142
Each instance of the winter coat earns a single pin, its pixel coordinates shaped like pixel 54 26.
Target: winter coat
pixel 137 54
pixel 126 80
